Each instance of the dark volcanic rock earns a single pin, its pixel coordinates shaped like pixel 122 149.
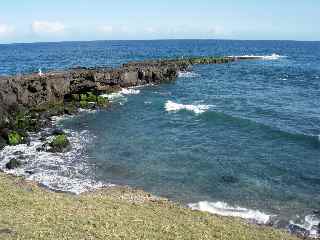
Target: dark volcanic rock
pixel 44 93
pixel 13 163
pixel 58 132
pixel 3 143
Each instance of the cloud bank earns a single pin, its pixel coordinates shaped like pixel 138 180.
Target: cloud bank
pixel 46 27
pixel 6 30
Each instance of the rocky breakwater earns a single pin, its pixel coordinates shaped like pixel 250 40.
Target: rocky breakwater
pixel 27 102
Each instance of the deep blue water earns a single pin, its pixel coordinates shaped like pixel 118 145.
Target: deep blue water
pixel 257 146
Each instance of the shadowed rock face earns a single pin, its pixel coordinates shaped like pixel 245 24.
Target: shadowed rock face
pixel 28 91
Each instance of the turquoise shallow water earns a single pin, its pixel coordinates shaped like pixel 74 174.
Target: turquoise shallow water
pixel 244 133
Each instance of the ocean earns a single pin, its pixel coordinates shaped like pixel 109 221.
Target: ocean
pixel 237 139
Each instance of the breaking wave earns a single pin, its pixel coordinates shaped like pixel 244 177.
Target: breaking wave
pixel 121 95
pixel 64 172
pixel 223 209
pixel 188 74
pixel 171 106
pixel 309 227
pixel 273 56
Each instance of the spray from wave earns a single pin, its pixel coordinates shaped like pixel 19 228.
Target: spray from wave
pixel 223 209
pixel 63 172
pixel 121 95
pixel 171 106
pixel 187 74
pixel 309 227
pixel 273 56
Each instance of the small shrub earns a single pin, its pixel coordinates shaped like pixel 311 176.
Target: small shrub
pixel 14 138
pixel 59 143
pixel 102 102
pixel 84 104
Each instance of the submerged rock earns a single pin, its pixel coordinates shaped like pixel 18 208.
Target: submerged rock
pixel 229 179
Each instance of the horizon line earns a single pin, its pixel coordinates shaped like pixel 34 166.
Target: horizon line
pixel 160 39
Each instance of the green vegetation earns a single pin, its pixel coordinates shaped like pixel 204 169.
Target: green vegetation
pixel 59 143
pixel 102 101
pixel 84 104
pixel 14 138
pixel 85 100
pixel 30 212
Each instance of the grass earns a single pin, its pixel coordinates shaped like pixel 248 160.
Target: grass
pixel 30 212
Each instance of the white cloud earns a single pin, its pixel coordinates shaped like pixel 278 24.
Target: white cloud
pixel 151 30
pixel 106 29
pixel 6 30
pixel 46 27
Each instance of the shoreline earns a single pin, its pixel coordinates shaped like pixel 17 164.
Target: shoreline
pixel 182 220
pixel 130 192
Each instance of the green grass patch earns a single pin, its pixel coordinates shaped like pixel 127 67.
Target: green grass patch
pixel 30 212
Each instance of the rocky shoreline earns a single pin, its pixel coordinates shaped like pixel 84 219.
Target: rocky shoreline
pixel 27 102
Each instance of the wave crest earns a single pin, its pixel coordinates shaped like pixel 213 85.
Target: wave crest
pixel 223 209
pixel 187 74
pixel 273 56
pixel 171 106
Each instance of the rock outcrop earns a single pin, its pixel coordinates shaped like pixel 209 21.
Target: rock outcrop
pixel 29 91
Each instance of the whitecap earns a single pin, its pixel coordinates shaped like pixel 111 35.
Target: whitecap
pixel 130 91
pixel 223 209
pixel 120 96
pixel 310 224
pixel 198 109
pixel 273 56
pixel 186 74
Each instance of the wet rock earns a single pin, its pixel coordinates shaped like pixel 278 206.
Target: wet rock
pixel 298 231
pixel 3 143
pixel 13 164
pixel 58 132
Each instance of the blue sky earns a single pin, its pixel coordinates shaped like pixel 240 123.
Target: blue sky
pixel 61 20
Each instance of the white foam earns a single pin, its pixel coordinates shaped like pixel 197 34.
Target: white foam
pixel 310 223
pixel 58 171
pixel 223 209
pixel 198 109
pixel 130 91
pixel 273 56
pixel 120 96
pixel 188 74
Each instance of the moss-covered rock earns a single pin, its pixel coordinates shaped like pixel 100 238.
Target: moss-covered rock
pixel 83 104
pixel 102 101
pixel 15 138
pixel 91 97
pixel 13 163
pixel 60 143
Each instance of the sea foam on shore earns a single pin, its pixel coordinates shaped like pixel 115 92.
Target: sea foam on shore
pixel 223 209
